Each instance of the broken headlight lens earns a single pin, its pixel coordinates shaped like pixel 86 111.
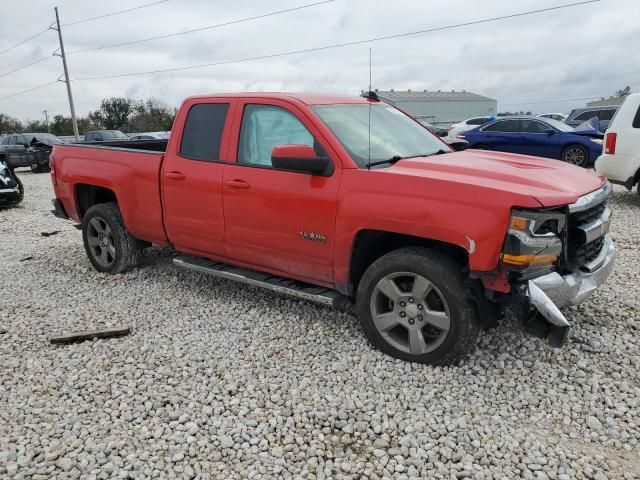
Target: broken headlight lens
pixel 533 240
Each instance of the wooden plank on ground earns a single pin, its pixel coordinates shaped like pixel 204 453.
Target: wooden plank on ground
pixel 91 334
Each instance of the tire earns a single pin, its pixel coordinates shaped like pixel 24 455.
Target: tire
pixel 110 248
pixel 575 155
pixel 35 168
pixel 412 316
pixel 20 191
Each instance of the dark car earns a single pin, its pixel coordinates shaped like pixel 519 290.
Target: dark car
pixel 439 131
pixel 104 136
pixel 28 150
pixel 581 115
pixel 11 189
pixel 541 137
pixel 150 136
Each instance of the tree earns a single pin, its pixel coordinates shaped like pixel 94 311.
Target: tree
pixel 151 115
pixel 35 126
pixel 113 113
pixel 624 92
pixel 9 124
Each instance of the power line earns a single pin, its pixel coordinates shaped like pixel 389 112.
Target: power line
pixel 24 41
pixel 339 45
pixel 29 90
pixel 25 66
pixel 185 32
pixel 114 13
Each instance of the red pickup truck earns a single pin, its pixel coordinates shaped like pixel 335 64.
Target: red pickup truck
pixel 338 199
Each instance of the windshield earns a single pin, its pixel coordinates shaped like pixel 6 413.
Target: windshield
pixel 563 127
pixel 393 134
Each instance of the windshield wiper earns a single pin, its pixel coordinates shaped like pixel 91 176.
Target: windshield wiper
pixel 391 161
pixel 397 158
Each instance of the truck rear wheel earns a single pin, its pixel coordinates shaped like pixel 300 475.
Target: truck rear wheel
pixel 110 248
pixel 412 305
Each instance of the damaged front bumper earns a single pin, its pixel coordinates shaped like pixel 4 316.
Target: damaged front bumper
pixel 550 292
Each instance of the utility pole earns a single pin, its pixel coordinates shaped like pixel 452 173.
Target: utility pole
pixel 66 78
pixel 46 120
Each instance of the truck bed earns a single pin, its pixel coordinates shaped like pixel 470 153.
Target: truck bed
pixel 128 169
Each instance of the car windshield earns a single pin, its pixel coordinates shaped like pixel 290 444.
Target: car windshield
pixel 563 127
pixel 393 134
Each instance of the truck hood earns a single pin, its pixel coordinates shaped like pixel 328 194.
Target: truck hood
pixel 550 182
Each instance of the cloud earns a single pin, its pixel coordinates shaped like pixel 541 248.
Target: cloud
pixel 570 53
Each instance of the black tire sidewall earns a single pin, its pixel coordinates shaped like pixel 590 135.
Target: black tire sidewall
pixel 447 276
pixel 584 150
pixel 105 211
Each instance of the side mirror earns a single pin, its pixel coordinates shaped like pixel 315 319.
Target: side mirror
pixel 299 158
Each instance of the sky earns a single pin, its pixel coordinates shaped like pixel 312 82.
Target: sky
pixel 545 62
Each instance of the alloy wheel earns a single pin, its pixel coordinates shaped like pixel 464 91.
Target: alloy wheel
pixel 410 313
pixel 101 243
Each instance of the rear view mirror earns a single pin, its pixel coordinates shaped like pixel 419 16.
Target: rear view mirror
pixel 299 158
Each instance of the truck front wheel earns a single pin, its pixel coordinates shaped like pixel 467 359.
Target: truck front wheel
pixel 412 305
pixel 110 248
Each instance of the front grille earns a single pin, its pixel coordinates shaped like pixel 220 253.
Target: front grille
pixel 578 253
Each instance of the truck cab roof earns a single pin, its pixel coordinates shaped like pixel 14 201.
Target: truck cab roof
pixel 306 98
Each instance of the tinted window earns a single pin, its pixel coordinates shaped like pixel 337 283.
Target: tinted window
pixel 584 116
pixel 5 140
pixel 636 120
pixel 503 126
pixel 478 121
pixel 264 127
pixel 12 139
pixel 606 114
pixel 532 126
pixel 203 131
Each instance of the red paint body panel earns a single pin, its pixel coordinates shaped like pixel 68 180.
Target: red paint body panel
pixel 263 218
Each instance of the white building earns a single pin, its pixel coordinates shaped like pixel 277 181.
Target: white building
pixel 438 107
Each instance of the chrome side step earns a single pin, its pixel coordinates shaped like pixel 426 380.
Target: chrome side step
pixel 322 295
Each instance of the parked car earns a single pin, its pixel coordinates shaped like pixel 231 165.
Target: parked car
pixel 150 136
pixel 28 150
pixel 11 189
pixel 581 115
pixel 540 137
pixel 104 136
pixel 620 162
pixel 439 131
pixel 340 199
pixel 468 124
pixel 561 117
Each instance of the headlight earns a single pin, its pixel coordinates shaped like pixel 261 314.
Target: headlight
pixel 596 140
pixel 533 240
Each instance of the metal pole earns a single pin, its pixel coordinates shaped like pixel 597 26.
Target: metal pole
pixel 66 79
pixel 46 120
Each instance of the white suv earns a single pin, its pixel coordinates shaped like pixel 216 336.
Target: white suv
pixel 468 124
pixel 620 162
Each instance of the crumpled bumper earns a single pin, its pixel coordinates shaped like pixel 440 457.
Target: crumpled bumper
pixel 550 292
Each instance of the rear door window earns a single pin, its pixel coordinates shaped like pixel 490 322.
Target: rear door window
pixel 202 134
pixel 12 139
pixel 507 126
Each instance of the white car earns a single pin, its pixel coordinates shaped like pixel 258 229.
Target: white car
pixel 468 124
pixel 620 162
pixel 561 117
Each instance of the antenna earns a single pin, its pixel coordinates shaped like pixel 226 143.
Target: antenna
pixel 369 99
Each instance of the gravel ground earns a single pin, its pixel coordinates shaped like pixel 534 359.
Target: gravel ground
pixel 219 380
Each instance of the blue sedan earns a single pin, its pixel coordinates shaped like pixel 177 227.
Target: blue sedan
pixel 541 137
